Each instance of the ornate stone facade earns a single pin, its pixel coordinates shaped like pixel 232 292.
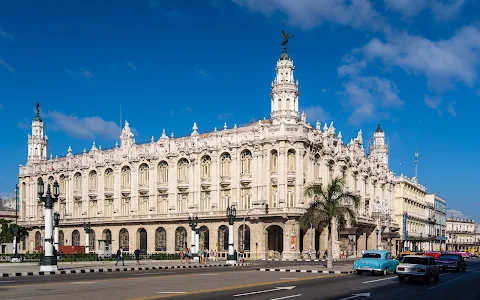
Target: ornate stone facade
pixel 140 195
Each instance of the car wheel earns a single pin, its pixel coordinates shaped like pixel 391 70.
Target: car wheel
pixel 426 278
pixel 401 279
pixel 358 272
pixel 385 272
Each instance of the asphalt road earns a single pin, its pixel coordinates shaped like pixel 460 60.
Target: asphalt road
pixel 238 283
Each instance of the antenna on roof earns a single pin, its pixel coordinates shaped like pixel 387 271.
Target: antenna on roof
pixel 120 119
pixel 416 164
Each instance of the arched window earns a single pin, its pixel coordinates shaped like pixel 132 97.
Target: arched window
pixel 316 167
pixel 280 104
pixel 291 196
pixel 204 238
pixel 61 238
pixel 223 238
pixel 274 161
pixel 288 104
pixel 160 239
pixel 241 241
pixel 143 174
pixel 77 183
pixel 206 167
pixel 124 239
pixel 291 160
pixel 91 240
pixel 183 170
pixel 24 190
pixel 63 185
pixel 38 240
pixel 225 161
pixel 126 177
pixel 109 179
pixel 180 238
pixel 51 180
pixel 92 180
pixel 75 238
pixel 246 162
pixel 163 172
pixel 245 198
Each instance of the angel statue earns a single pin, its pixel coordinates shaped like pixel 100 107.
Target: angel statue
pixel 285 39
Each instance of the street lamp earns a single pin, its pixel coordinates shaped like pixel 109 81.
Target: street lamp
pixel 231 215
pixel 15 257
pixel 49 261
pixel 56 221
pixel 193 222
pixel 86 227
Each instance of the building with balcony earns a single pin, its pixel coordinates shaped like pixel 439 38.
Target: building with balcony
pixel 461 234
pixel 412 213
pixel 140 195
pixel 436 221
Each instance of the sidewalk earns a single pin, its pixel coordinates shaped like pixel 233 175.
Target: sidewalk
pixel 22 269
pixel 337 269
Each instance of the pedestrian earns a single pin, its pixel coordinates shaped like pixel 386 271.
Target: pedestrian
pixel 325 254
pixel 310 254
pixel 181 256
pixel 137 256
pixel 205 252
pixel 188 256
pixel 120 257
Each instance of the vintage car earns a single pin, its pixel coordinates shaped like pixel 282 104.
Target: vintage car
pixel 375 261
pixel 418 267
pixel 402 254
pixel 452 261
pixel 435 255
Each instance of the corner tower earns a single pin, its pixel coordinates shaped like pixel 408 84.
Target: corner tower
pixel 37 141
pixel 284 95
pixel 379 149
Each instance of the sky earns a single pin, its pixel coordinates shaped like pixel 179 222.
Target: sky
pixel 410 65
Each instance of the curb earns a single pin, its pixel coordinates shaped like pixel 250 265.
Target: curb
pixel 109 270
pixel 306 271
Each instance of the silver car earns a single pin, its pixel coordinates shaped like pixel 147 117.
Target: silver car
pixel 418 267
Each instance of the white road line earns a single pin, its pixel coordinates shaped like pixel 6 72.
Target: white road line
pixel 287 297
pixel 149 273
pixel 451 280
pixel 380 279
pixel 289 278
pixel 171 292
pixel 208 274
pixel 83 282
pixel 7 281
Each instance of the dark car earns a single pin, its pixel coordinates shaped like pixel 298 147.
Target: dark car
pixel 451 261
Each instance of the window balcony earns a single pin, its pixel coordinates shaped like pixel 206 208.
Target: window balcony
pixel 182 185
pixel 291 177
pixel 274 178
pixel 205 183
pixel 108 192
pixel 162 187
pixel 245 179
pixel 92 193
pixel 143 189
pixel 225 181
pixel 77 195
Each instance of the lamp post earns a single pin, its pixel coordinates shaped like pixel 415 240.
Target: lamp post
pixel 56 221
pixel 49 261
pixel 193 222
pixel 231 214
pixel 86 227
pixel 15 257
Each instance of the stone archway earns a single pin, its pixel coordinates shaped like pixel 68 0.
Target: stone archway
pixel 142 240
pixel 274 238
pixel 204 237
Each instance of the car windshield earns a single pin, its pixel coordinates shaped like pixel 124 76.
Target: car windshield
pixel 372 255
pixel 415 260
pixel 449 256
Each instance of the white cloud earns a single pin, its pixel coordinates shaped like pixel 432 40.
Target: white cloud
pixel 359 14
pixel 442 10
pixel 218 4
pixel 131 65
pixel 86 127
pixel 23 124
pixel 316 113
pixel 443 63
pixel 432 102
pixel 5 34
pixel 324 90
pixel 68 71
pixel 225 116
pixel 453 213
pixel 6 65
pixel 87 73
pixel 199 70
pixel 1 106
pixel 451 109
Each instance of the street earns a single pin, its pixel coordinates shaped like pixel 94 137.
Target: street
pixel 238 283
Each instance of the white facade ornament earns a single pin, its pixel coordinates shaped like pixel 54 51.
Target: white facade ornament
pixel 318 125
pixel 195 129
pixel 225 126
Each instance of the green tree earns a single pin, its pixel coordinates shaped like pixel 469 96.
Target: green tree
pixel 6 233
pixel 331 204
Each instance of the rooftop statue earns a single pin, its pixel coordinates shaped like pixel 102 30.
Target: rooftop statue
pixel 285 40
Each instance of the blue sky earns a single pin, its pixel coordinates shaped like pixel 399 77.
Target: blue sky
pixel 411 65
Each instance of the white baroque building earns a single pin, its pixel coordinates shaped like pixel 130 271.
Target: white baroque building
pixel 140 195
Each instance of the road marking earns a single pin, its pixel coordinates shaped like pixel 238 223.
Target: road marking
pixel 357 296
pixel 451 280
pixel 208 274
pixel 380 279
pixel 7 281
pixel 171 292
pixel 288 288
pixel 151 273
pixel 236 287
pixel 287 297
pixel 289 278
pixel 83 282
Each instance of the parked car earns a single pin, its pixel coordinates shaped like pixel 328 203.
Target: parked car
pixel 464 254
pixel 435 255
pixel 452 261
pixel 402 254
pixel 418 267
pixel 375 261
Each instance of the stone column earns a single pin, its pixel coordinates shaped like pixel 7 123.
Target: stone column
pixel 87 242
pixel 55 237
pixel 49 262
pixel 230 245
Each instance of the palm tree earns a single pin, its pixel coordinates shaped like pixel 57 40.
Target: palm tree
pixel 330 204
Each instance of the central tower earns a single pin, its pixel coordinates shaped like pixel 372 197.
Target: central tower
pixel 284 95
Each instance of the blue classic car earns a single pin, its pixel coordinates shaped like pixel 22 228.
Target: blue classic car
pixel 376 261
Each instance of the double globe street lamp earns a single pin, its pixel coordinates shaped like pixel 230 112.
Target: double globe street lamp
pixel 49 260
pixel 56 222
pixel 193 223
pixel 231 215
pixel 86 227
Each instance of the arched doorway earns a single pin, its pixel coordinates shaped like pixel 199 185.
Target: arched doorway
pixel 75 238
pixel 245 243
pixel 160 239
pixel 222 238
pixel 61 238
pixel 124 239
pixel 275 238
pixel 107 239
pixel 142 240
pixel 204 237
pixel 180 238
pixel 91 240
pixel 38 240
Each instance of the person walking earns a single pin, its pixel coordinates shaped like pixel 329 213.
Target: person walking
pixel 181 254
pixel 120 257
pixel 137 256
pixel 309 253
